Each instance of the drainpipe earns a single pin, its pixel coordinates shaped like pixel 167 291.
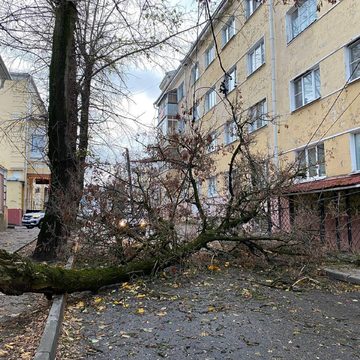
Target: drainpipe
pixel 273 82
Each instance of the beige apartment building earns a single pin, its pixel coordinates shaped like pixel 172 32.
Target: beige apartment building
pixel 296 72
pixel 23 142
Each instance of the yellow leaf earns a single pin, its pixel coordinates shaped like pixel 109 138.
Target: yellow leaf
pixel 9 346
pixel 140 296
pixel 227 264
pixel 211 309
pixel 3 353
pixel 80 305
pixel 98 300
pixel 140 311
pixel 161 313
pixel 213 268
pixel 126 305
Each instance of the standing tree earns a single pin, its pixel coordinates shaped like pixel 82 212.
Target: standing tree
pixel 62 133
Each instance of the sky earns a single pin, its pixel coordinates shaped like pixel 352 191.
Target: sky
pixel 143 83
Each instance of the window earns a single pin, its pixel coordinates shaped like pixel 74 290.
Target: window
pixel 257 115
pixel 209 55
pixel 230 80
pixel 212 187
pixel 354 60
pixel 230 132
pixel 306 88
pixel 300 17
pixel 194 73
pixel 172 127
pixel 251 6
pixel 256 56
pixel 312 161
pixel 199 187
pixel 38 143
pixel 180 91
pixel 228 31
pixel 210 99
pixel 196 112
pixel 356 151
pixel 212 142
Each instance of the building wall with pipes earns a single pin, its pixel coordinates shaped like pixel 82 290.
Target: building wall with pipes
pixel 299 65
pixel 23 143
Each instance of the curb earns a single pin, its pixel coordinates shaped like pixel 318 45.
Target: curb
pixel 343 276
pixel 52 331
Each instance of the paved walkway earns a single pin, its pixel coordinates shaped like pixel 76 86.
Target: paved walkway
pixel 11 240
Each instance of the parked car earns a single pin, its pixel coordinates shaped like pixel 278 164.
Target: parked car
pixel 32 219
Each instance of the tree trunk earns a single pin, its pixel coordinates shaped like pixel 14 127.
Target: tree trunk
pixel 19 275
pixel 62 133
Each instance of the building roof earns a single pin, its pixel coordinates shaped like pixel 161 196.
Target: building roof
pixel 220 8
pixel 4 73
pixel 335 183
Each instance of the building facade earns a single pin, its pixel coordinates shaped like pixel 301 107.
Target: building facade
pixel 22 146
pixel 296 70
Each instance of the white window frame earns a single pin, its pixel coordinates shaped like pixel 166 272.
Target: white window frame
pixel 38 152
pixel 230 134
pixel 355 153
pixel 196 112
pixel 210 99
pixel 211 187
pixel 251 7
pixel 255 125
pixel 253 63
pixel 195 73
pixel 349 61
pixel 307 10
pixel 301 80
pixel 212 146
pixel 209 54
pixel 180 92
pixel 230 80
pixel 228 31
pixel 317 166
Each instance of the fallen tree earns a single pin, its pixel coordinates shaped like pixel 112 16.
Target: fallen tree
pixel 19 275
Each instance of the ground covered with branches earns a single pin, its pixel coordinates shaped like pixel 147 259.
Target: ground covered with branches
pixel 216 310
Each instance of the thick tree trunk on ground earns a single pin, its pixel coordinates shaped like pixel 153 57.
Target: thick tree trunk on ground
pixel 19 275
pixel 62 132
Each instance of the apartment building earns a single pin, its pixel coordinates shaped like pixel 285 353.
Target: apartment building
pixel 22 146
pixel 296 70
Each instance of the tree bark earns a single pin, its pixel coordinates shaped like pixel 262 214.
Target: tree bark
pixel 19 275
pixel 62 133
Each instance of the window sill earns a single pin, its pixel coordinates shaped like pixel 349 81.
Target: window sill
pixel 248 17
pixel 351 81
pixel 226 44
pixel 256 70
pixel 301 32
pixel 259 128
pixel 309 179
pixel 208 65
pixel 230 142
pixel 306 105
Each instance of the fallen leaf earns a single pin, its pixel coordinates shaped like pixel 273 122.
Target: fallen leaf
pixel 98 300
pixel 140 311
pixel 213 268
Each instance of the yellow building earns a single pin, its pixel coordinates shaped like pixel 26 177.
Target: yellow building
pixel 22 146
pixel 297 70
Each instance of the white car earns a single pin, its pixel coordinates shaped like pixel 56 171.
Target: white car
pixel 32 219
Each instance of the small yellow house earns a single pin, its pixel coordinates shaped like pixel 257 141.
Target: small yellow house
pixel 23 146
